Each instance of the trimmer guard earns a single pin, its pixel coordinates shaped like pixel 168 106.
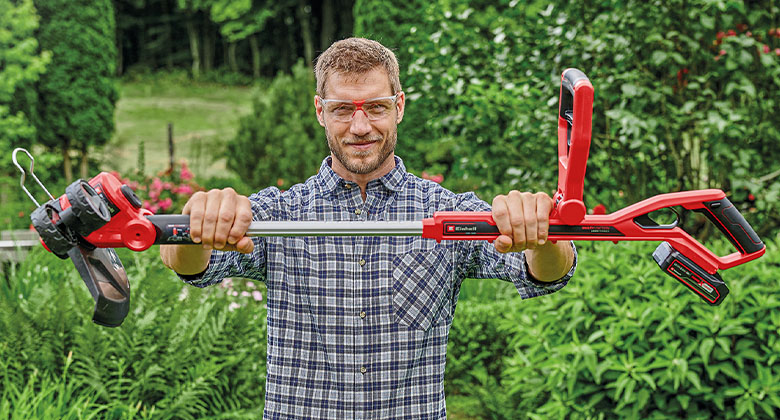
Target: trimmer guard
pixel 106 279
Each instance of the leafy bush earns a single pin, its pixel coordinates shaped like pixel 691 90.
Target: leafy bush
pixel 280 143
pixel 623 340
pixel 182 352
pixel 685 94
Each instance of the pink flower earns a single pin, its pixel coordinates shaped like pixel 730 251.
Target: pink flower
pixel 185 173
pixel 167 185
pixel 250 285
pixel 245 293
pixel 156 184
pixel 233 306
pixel 777 52
pixel 166 204
pixel 183 189
pixel 766 49
pixel 257 295
pixel 437 178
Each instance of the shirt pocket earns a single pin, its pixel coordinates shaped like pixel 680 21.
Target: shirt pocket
pixel 421 287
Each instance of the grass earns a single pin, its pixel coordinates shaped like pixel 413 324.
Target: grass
pixel 204 116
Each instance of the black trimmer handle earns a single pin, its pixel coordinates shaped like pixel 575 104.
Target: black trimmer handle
pixel 709 287
pixel 731 222
pixel 172 229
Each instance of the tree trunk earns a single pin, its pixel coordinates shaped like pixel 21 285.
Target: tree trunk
pixel 192 31
pixel 304 12
pixel 328 31
pixel 84 164
pixel 168 13
pixel 66 163
pixel 255 47
pixel 209 41
pixel 232 56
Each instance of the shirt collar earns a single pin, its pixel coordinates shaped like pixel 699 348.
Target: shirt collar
pixel 392 180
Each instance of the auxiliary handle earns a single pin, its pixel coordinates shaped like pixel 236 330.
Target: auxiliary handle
pixel 730 221
pixel 574 125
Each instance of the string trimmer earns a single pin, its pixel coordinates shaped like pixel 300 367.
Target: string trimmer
pixel 94 216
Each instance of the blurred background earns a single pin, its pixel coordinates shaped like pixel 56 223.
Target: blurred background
pixel 181 95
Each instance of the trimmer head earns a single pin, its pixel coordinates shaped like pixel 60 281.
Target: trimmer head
pixel 62 224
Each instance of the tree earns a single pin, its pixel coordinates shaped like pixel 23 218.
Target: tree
pixel 76 97
pixel 21 64
pixel 240 20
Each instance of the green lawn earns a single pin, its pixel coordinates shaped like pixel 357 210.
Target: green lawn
pixel 203 116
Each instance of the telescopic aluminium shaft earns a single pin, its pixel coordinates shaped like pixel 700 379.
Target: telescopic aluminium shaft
pixel 335 228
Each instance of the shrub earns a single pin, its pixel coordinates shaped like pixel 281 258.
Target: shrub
pixel 624 340
pixel 182 352
pixel 280 143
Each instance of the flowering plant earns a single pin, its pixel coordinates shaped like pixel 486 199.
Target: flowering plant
pixel 166 192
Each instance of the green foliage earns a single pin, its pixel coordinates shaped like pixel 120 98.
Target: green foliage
pixel 623 340
pixel 280 142
pixel 20 65
pixel 671 112
pixel 182 352
pixel 76 96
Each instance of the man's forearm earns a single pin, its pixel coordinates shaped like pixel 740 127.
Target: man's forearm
pixel 185 259
pixel 550 261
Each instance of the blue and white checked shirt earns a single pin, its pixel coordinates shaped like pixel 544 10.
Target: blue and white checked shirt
pixel 357 326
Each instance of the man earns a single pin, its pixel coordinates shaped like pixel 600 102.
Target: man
pixel 357 326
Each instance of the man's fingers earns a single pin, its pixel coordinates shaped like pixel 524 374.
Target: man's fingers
pixel 225 217
pixel 245 245
pixel 517 204
pixel 544 206
pixel 241 222
pixel 501 215
pixel 195 207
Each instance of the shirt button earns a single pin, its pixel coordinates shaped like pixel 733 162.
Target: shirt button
pixel 357 211
pixel 363 314
pixel 362 262
pixel 363 369
pixel 348 186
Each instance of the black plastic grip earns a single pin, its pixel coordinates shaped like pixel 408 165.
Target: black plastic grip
pixel 172 229
pixel 571 77
pixel 730 221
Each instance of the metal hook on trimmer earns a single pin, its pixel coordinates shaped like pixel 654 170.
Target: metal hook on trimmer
pixel 24 175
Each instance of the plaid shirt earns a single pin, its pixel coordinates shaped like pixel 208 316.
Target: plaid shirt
pixel 358 326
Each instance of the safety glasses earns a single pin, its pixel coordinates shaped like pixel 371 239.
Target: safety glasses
pixel 343 110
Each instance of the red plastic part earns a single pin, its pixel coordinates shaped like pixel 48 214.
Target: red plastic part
pixel 128 227
pixel 573 149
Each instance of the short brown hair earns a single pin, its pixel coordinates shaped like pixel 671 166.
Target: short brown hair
pixel 356 56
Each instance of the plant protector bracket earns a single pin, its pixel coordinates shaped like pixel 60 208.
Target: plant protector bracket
pixel 96 215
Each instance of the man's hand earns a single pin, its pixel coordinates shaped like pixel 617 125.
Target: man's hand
pixel 523 220
pixel 219 220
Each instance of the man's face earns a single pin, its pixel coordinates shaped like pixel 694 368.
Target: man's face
pixel 362 146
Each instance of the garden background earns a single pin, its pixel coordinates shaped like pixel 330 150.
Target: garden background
pixel 686 97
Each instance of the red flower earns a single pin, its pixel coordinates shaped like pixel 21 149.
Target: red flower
pixel 751 197
pixel 599 209
pixel 766 49
pixel 731 33
pixel 720 35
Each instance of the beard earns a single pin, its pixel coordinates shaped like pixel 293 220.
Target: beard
pixel 362 162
